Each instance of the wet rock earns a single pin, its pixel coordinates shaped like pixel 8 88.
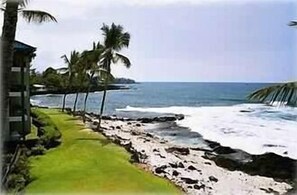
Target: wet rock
pixel 95 123
pixel 179 116
pixel 182 151
pixel 223 150
pixel 106 117
pixel 268 164
pixel 164 118
pixel 161 169
pixel 146 120
pixel 118 127
pixel 129 123
pixel 156 150
pixel 138 125
pixel 189 180
pixel 198 187
pixel 212 178
pixel 245 111
pixel 207 163
pixel 112 127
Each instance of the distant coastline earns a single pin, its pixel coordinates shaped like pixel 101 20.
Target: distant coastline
pixel 62 91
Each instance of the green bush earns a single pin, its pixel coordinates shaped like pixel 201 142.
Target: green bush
pixel 37 150
pixel 19 175
pixel 47 131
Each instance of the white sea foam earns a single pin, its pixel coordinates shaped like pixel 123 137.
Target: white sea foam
pixel 34 102
pixel 253 128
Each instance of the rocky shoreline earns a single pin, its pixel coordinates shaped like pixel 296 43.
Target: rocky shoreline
pixel 198 170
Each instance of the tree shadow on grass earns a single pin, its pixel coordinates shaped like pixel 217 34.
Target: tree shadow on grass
pixel 102 141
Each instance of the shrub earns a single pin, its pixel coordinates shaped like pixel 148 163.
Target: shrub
pixel 47 130
pixel 19 175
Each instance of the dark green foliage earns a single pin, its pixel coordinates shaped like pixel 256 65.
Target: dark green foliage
pixel 48 132
pixel 284 93
pixel 19 175
pixel 37 150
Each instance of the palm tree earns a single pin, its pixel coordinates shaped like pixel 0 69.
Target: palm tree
pixel 69 71
pixel 79 80
pixel 91 59
pixel 283 93
pixel 115 39
pixel 11 9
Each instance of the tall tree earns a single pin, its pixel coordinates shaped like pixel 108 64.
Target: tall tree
pixel 11 10
pixel 115 39
pixel 69 71
pixel 91 59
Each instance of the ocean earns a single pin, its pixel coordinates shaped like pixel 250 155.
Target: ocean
pixel 215 111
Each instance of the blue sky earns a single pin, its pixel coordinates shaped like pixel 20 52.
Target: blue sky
pixel 175 40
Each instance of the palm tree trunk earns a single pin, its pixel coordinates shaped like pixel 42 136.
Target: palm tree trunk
pixel 63 104
pixel 102 106
pixel 85 106
pixel 8 36
pixel 75 101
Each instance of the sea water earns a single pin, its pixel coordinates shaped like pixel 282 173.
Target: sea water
pixel 217 111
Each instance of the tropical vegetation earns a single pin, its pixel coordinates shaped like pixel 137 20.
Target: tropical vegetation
pixel 89 68
pixel 115 39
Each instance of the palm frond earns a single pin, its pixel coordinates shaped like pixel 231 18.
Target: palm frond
pixel 283 93
pixel 37 16
pixel 65 58
pixel 123 59
pixel 104 75
pixel 23 3
pixel 293 23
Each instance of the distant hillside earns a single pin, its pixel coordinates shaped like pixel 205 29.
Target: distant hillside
pixel 124 81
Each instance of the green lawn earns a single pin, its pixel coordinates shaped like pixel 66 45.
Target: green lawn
pixel 89 163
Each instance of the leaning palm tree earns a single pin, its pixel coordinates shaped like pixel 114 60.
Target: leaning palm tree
pixel 115 39
pixel 71 63
pixel 283 93
pixel 11 10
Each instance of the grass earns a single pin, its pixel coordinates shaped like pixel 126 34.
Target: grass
pixel 89 163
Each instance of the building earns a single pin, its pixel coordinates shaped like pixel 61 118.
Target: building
pixel 19 97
